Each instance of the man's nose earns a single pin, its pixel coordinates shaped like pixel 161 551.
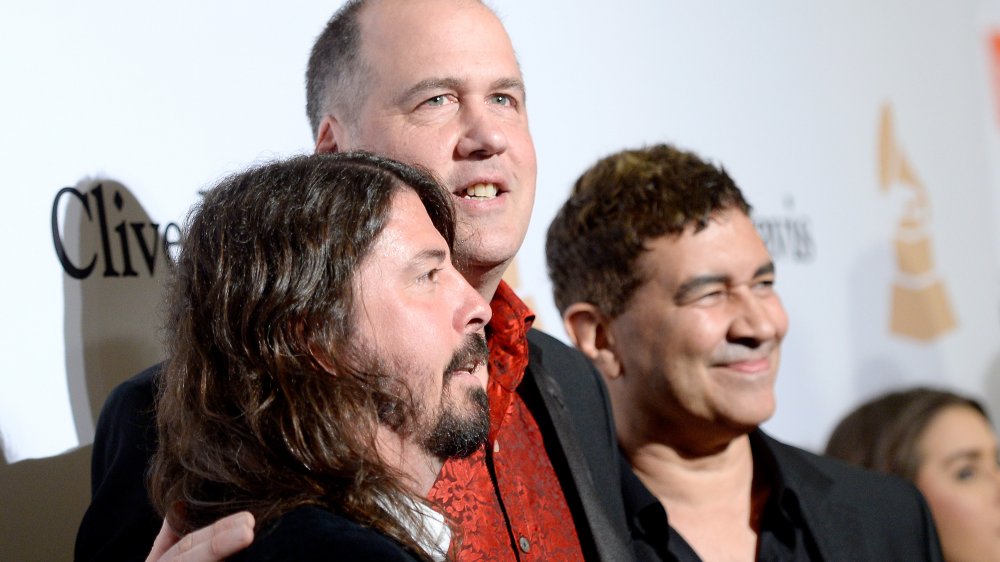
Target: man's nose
pixel 474 312
pixel 483 134
pixel 755 317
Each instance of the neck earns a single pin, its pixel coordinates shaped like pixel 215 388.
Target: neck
pixel 713 500
pixel 678 476
pixel 419 468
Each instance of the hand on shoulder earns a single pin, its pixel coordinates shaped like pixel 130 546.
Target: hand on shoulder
pixel 214 543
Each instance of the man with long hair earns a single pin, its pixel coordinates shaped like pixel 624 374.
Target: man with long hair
pixel 324 359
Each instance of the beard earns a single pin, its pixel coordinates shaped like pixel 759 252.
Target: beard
pixel 460 422
pixel 456 436
pixel 459 431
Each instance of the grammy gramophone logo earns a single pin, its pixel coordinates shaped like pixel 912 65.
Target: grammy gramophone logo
pixel 920 305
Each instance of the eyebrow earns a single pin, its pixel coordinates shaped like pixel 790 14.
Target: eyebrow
pixel 456 84
pixel 964 454
pixel 693 285
pixel 509 84
pixel 430 254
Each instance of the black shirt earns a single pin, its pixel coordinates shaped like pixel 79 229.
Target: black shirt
pixel 784 534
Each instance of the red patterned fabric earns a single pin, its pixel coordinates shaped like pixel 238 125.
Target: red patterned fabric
pixel 538 525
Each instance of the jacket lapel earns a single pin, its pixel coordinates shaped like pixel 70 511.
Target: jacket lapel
pixel 835 526
pixel 611 545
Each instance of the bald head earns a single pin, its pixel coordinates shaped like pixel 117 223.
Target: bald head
pixel 337 74
pixel 434 83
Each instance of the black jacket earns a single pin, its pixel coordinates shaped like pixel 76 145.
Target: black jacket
pixel 313 534
pixel 855 514
pixel 851 514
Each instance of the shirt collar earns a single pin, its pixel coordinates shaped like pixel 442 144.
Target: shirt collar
pixel 432 533
pixel 648 519
pixel 507 334
pixel 783 503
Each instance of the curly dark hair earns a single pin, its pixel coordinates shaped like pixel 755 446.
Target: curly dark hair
pixel 616 207
pixel 260 305
pixel 884 433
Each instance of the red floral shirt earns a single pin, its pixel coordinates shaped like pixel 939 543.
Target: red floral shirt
pixel 522 514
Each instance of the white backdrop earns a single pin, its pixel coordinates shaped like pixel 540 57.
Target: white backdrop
pixel 153 102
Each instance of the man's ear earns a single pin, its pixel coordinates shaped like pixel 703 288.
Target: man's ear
pixel 331 137
pixel 590 331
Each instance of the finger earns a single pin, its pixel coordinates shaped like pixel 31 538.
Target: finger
pixel 165 539
pixel 214 543
pixel 231 534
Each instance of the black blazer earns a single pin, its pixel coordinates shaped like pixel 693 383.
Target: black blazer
pixel 561 388
pixel 851 514
pixel 579 433
pixel 855 514
pixel 309 534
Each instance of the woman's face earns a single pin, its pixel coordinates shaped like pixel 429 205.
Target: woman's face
pixel 960 478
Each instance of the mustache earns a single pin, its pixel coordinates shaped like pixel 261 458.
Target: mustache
pixel 739 352
pixel 473 354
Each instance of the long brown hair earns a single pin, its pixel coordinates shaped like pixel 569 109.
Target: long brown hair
pixel 264 404
pixel 884 433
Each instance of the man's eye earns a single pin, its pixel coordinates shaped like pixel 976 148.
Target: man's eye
pixel 431 276
pixel 965 473
pixel 711 296
pixel 501 99
pixel 764 284
pixel 436 100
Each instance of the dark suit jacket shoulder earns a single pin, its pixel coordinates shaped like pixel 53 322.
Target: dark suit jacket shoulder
pixel 314 534
pixel 120 523
pixel 568 399
pixel 855 514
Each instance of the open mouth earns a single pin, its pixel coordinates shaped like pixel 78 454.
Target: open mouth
pixel 470 357
pixel 480 191
pixel 471 366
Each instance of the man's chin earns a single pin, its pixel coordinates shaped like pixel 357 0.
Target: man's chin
pixel 461 429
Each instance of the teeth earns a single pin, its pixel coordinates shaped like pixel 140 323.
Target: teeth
pixel 483 190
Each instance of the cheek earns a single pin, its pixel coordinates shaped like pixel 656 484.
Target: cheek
pixel 521 145
pixel 670 342
pixel 429 153
pixel 703 333
pixel 425 145
pixel 951 503
pixel 400 336
pixel 642 335
pixel 430 145
pixel 962 514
